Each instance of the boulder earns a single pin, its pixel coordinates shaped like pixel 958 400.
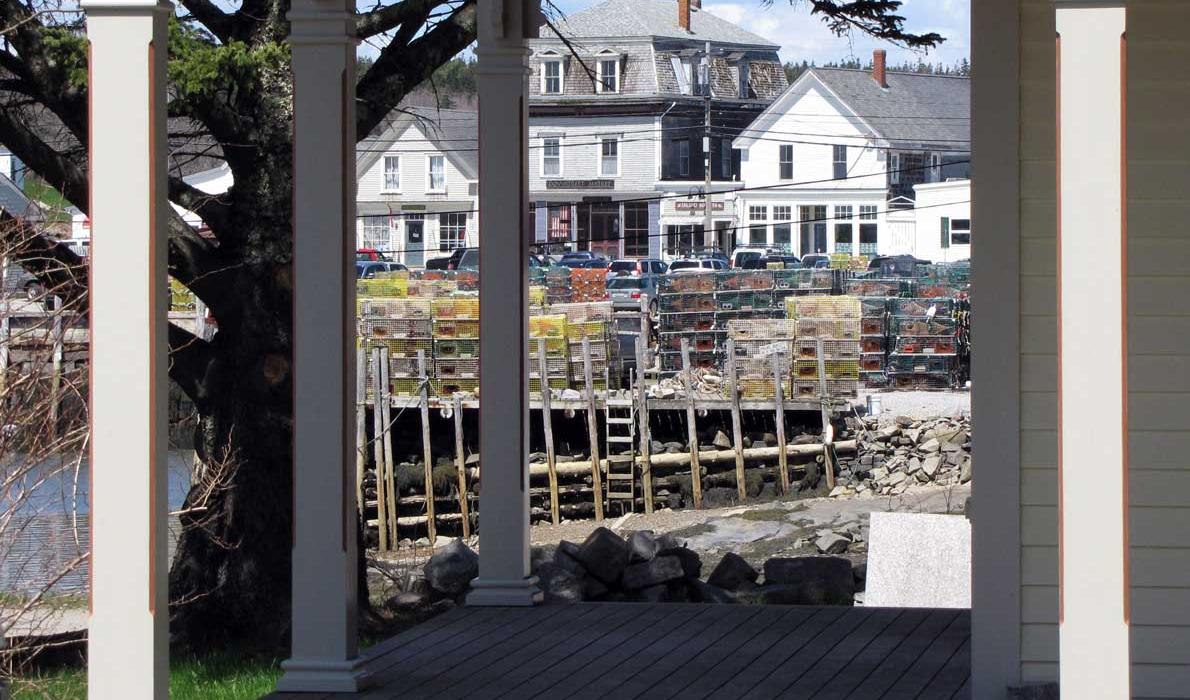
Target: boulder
pixel 558 584
pixel 642 546
pixel 732 572
pixel 566 557
pixel 452 568
pixel 931 465
pixel 832 543
pixel 604 554
pixel 702 592
pixel 821 580
pixel 965 471
pixel 721 440
pixel 540 555
pixel 859 572
pixel 652 573
pixel 691 562
pixel 593 588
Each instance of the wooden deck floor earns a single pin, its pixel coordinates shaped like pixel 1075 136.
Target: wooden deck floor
pixel 624 651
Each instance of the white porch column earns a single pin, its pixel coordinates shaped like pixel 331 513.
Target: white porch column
pixel 128 647
pixel 1092 352
pixel 325 641
pixel 502 74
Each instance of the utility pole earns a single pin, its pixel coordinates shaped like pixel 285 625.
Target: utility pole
pixel 708 231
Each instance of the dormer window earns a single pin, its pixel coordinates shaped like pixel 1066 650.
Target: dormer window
pixel 551 76
pixel 608 74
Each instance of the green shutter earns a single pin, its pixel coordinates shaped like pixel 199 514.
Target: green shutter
pixel 946 232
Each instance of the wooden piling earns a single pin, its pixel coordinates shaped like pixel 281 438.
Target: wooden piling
pixel 461 465
pixel 646 439
pixel 547 422
pixel 779 395
pixel 386 406
pixel 737 427
pixel 828 463
pixel 424 404
pixel 378 454
pixel 592 429
pixel 691 427
pixel 361 424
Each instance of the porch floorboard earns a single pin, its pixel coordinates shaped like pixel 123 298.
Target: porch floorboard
pixel 638 650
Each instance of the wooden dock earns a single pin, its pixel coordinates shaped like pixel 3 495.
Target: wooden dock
pixel 671 650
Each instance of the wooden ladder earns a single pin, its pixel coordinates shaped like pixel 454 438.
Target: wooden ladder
pixel 620 430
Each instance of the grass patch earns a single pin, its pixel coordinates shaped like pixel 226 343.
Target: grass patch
pixel 57 205
pixel 221 677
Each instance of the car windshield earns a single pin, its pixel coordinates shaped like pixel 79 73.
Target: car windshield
pixel 624 266
pixel 625 283
pixel 746 256
pixel 685 265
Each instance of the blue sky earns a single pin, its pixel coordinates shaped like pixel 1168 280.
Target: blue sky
pixel 788 23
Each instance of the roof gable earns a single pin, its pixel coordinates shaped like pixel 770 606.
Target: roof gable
pixel 806 83
pixel 917 108
pixel 651 18
pixel 454 132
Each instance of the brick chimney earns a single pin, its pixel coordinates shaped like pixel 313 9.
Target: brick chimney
pixel 879 59
pixel 684 14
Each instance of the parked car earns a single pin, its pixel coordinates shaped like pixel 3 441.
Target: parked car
pixel 636 268
pixel 574 256
pixel 816 260
pixel 592 263
pixel 449 262
pixel 686 265
pixel 776 261
pixel 369 269
pixel 626 291
pixel 740 256
pixel 370 255
pixel 896 265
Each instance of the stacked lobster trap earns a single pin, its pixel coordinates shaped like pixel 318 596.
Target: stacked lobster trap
pixel 826 346
pixel 925 343
pixel 592 322
pixel 686 309
pixel 549 330
pixel 756 341
pixel 875 296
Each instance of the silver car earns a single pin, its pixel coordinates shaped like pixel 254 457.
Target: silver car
pixel 626 291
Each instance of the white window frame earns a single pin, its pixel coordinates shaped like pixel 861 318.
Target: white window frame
pixel 430 174
pixel 386 173
pixel 443 246
pixel 935 167
pixel 960 231
pixel 869 212
pixel 561 151
pixel 600 76
pixel 684 172
pixel 836 161
pixel 681 74
pixel 601 157
pixel 894 168
pixel 781 162
pixel 545 63
pixel 758 213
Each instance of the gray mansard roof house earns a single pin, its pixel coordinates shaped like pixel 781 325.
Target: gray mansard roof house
pixel 657 45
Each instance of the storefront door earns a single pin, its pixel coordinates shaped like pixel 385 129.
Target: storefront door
pixel 605 230
pixel 415 242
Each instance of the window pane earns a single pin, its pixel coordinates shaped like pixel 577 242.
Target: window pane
pixel 782 235
pixel 607 74
pixel 867 239
pixel 392 172
pixel 683 157
pixel 437 172
pixel 558 227
pixel 610 156
pixel 636 229
pixel 551 156
pixel 867 211
pixel 553 76
pixel 843 233
pixel 840 162
pixel 786 162
pixel 452 230
pixel 758 235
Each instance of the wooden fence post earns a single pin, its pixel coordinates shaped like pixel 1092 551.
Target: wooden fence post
pixel 646 439
pixel 361 426
pixel 691 427
pixel 592 430
pixel 461 465
pixel 737 427
pixel 547 422
pixel 828 462
pixel 378 454
pixel 779 395
pixel 385 405
pixel 427 456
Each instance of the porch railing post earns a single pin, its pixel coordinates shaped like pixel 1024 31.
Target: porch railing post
pixel 127 645
pixel 1093 583
pixel 325 654
pixel 502 72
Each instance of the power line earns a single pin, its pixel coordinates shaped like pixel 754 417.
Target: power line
pixel 660 197
pixel 648 236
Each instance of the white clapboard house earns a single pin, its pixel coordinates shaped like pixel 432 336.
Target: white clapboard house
pixel 834 165
pixel 416 190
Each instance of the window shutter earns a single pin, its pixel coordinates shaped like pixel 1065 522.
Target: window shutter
pixel 946 232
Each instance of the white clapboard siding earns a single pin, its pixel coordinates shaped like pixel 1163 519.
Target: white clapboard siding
pixel 1039 344
pixel 1159 344
pixel 581 146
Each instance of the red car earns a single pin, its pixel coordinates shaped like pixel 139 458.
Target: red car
pixel 370 255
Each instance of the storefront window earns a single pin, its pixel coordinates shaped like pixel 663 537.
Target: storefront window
pixel 636 230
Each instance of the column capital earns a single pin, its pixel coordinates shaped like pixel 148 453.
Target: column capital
pixel 126 7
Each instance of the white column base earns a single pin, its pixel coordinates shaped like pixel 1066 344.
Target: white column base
pixel 319 676
pixel 522 593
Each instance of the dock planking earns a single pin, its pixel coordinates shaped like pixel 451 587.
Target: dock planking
pixel 640 650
